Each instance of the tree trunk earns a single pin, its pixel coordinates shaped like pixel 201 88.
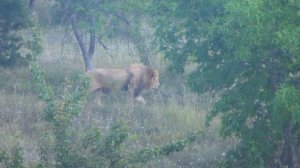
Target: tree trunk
pixel 297 153
pixel 87 54
pixel 286 157
pixel 31 2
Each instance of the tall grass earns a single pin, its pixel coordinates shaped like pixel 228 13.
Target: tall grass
pixel 171 112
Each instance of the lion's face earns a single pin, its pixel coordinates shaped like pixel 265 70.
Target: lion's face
pixel 154 80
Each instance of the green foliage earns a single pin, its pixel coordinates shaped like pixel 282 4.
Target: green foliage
pixel 17 158
pixel 59 111
pixel 287 103
pixel 44 91
pixel 3 156
pixel 286 111
pixel 147 154
pixel 105 150
pixel 14 160
pixel 248 50
pixel 13 18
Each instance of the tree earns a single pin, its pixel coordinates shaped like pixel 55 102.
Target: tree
pixel 13 18
pixel 31 3
pixel 249 52
pixel 100 20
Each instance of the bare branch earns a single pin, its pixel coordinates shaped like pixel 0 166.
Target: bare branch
pixel 65 40
pixel 116 15
pixel 106 49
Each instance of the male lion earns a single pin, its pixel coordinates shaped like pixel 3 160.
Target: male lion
pixel 135 79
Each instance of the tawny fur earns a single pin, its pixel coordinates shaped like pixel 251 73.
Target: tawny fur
pixel 135 79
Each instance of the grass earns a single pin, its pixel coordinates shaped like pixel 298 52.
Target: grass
pixel 20 116
pixel 170 113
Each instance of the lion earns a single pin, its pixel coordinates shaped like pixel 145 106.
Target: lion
pixel 134 79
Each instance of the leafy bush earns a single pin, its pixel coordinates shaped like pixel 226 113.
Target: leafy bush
pixel 13 18
pixel 249 52
pixel 14 160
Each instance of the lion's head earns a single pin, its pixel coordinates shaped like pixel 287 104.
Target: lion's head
pixel 154 79
pixel 144 76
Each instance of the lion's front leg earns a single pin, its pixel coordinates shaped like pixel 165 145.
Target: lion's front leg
pixel 96 98
pixel 136 91
pixel 140 99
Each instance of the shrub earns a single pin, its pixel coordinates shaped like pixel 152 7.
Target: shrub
pixel 13 18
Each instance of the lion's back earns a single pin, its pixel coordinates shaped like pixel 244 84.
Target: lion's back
pixel 107 78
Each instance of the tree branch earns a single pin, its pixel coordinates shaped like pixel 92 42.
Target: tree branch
pixel 106 49
pixel 116 15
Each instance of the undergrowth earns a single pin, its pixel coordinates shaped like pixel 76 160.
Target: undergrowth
pixel 60 127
